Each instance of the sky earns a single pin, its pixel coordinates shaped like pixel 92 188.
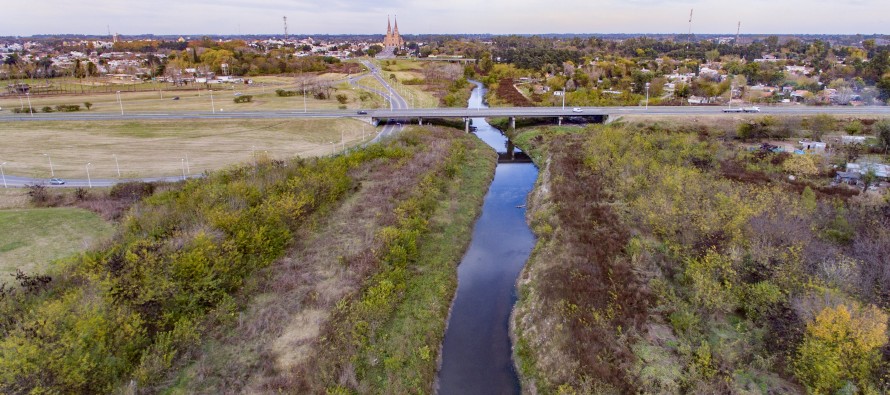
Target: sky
pixel 194 17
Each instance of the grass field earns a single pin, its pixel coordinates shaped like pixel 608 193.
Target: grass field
pixel 151 97
pixel 157 148
pixel 30 239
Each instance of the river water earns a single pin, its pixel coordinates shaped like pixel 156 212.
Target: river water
pixel 476 353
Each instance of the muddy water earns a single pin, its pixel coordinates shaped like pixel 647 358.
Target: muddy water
pixel 476 353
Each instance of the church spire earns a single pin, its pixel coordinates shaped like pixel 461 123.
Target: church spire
pixel 388 26
pixel 396 30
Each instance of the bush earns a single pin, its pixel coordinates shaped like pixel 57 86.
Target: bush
pixel 87 105
pixel 68 108
pixel 285 93
pixel 47 109
pixel 842 344
pixel 243 99
pixel 133 190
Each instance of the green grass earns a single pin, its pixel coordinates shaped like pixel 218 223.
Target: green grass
pixel 31 239
pixel 416 331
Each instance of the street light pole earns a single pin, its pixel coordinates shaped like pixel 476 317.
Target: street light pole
pixel 30 108
pixel 89 180
pixel 563 98
pixel 182 164
pixel 212 106
pixel 119 102
pixel 117 165
pixel 51 171
pixel 4 174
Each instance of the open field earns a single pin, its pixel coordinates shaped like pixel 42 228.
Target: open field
pixel 152 97
pixel 30 239
pixel 158 148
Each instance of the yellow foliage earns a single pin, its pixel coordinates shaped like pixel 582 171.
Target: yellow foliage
pixel 841 345
pixel 801 165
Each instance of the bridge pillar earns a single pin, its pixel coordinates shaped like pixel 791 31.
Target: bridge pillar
pixel 559 121
pixel 513 123
pixel 420 121
pixel 467 125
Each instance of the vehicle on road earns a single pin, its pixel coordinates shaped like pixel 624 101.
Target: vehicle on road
pixel 577 109
pixel 362 112
pixel 742 109
pixel 56 181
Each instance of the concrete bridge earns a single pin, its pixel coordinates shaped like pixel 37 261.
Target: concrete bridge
pixel 601 114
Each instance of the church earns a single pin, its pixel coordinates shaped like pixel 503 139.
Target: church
pixel 393 39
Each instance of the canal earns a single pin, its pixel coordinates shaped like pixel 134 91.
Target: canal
pixel 477 352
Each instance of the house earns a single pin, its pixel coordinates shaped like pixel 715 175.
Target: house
pixel 880 170
pixel 853 139
pixel 812 146
pixel 848 177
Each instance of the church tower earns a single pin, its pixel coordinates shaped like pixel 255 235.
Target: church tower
pixel 393 39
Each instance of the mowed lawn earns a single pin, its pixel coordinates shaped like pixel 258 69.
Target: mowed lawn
pixel 166 147
pixel 30 239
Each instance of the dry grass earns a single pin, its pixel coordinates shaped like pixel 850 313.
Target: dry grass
pixel 13 198
pixel 156 148
pixel 263 91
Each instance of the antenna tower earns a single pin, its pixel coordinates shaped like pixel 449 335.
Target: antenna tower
pixel 285 28
pixel 739 30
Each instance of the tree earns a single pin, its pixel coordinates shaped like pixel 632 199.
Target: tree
pixel 882 130
pixel 341 98
pixel 801 165
pixel 88 105
pixel 821 124
pixel 841 345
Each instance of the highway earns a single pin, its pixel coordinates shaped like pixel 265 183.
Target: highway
pixel 18 182
pixel 401 111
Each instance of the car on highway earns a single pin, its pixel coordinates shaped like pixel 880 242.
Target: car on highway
pixel 577 109
pixel 56 181
pixel 362 112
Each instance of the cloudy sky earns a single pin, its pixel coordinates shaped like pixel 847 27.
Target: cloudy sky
pixel 190 17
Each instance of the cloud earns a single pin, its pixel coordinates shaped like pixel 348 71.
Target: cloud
pixel 437 16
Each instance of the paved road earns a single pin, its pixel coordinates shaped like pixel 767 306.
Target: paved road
pixel 401 110
pixel 396 101
pixel 18 182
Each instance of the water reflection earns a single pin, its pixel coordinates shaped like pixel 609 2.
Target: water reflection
pixel 476 352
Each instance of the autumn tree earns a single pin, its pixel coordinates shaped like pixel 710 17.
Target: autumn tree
pixel 841 345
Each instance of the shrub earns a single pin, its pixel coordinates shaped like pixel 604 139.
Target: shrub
pixel 341 98
pixel 87 105
pixel 285 93
pixel 842 344
pixel 132 190
pixel 47 109
pixel 68 108
pixel 243 99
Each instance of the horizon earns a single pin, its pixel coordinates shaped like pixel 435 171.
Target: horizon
pixel 352 17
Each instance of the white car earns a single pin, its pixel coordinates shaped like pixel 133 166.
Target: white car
pixel 577 109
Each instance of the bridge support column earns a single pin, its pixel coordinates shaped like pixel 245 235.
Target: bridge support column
pixel 420 121
pixel 513 123
pixel 559 121
pixel 467 125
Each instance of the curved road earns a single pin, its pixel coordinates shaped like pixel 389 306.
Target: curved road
pixel 396 101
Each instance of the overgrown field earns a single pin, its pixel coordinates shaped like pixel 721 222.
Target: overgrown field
pixel 669 261
pixel 330 274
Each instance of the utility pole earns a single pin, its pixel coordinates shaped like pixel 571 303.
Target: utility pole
pixel 689 34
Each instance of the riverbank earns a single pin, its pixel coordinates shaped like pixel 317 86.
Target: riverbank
pixel 330 274
pixel 670 261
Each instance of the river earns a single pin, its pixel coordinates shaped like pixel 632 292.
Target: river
pixel 477 352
